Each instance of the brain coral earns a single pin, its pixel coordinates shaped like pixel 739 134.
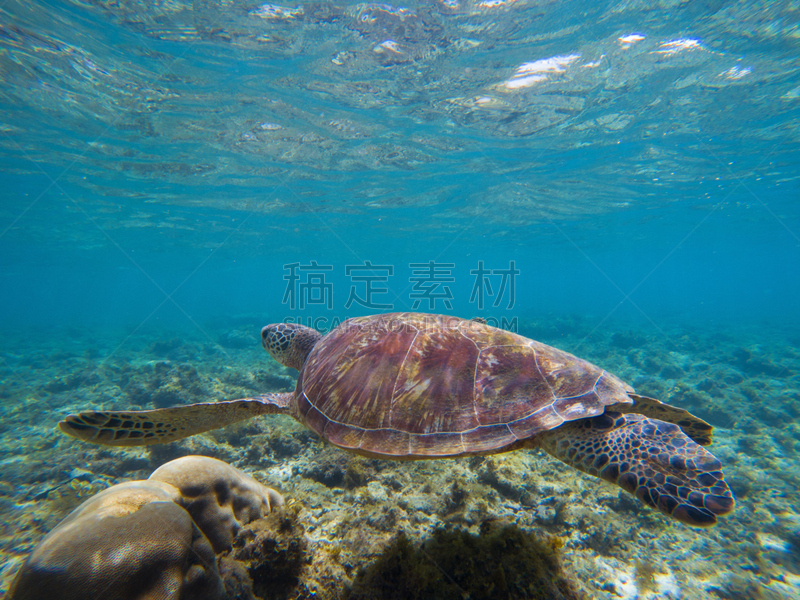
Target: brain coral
pixel 147 539
pixel 220 498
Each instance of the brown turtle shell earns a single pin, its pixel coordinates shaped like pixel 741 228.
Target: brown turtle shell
pixel 410 385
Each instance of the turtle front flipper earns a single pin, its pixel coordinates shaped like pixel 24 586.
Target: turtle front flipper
pixel 145 427
pixel 647 457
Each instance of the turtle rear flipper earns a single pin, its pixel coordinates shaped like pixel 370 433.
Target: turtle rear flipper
pixel 145 427
pixel 650 458
pixel 695 427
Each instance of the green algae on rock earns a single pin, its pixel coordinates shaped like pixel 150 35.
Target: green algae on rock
pixel 273 549
pixel 501 562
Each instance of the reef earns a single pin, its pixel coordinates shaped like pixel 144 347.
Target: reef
pixel 354 526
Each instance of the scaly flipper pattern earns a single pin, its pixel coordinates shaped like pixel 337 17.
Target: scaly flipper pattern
pixel 145 427
pixel 650 458
pixel 694 427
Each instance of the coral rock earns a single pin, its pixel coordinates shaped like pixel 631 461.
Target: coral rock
pixel 130 542
pixel 220 498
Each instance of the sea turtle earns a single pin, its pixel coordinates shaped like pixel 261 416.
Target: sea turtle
pixel 414 386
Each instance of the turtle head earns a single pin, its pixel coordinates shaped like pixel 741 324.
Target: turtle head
pixel 289 343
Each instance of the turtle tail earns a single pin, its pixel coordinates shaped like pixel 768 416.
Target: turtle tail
pixel 652 459
pixel 145 427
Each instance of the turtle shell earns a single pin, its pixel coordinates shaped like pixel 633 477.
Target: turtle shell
pixel 409 385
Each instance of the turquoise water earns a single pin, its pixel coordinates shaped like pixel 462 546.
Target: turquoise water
pixel 631 166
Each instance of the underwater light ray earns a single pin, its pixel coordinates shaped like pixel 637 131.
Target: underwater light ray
pixel 554 64
pixel 54 183
pixel 743 184
pixel 653 270
pixel 740 183
pixel 124 113
pixel 479 149
pixel 14 372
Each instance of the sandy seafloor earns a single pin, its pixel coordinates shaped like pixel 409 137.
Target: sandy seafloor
pixel 351 510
